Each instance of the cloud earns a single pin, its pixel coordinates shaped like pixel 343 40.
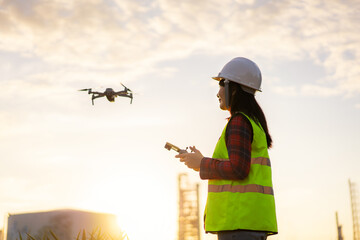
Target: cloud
pixel 286 91
pixel 315 90
pixel 123 34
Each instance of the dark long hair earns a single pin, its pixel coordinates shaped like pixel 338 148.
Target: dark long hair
pixel 241 101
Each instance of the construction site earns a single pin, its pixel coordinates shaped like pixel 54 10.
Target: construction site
pixel 189 224
pixel 189 221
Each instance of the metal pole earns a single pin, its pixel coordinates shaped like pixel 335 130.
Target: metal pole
pixel 339 228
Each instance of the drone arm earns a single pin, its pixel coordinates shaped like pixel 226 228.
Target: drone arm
pixel 97 96
pixel 123 92
pixel 129 95
pixel 91 92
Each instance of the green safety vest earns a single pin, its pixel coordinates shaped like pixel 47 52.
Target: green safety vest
pixel 246 204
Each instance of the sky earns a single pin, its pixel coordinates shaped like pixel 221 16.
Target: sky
pixel 59 151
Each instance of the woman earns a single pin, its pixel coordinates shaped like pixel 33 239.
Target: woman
pixel 240 203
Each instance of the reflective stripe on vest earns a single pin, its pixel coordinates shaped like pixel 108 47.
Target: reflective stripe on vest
pixel 261 161
pixel 241 188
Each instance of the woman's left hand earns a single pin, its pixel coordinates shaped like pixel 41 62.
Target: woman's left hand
pixel 192 160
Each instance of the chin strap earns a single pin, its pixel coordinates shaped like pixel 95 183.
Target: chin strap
pixel 227 95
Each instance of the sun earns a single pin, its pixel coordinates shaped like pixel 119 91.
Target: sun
pixel 142 208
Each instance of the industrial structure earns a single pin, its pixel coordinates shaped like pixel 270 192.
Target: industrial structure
pixel 64 223
pixel 354 209
pixel 189 224
pixel 339 229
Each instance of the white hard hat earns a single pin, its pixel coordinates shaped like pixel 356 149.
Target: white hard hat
pixel 244 72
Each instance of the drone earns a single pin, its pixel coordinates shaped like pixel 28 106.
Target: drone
pixel 110 94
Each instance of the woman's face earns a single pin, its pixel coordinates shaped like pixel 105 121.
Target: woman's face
pixel 221 97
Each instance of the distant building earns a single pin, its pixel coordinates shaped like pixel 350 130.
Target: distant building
pixel 65 224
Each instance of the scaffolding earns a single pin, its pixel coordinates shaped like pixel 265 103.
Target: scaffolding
pixel 354 210
pixel 189 226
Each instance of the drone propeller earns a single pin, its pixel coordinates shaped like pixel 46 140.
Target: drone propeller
pixel 127 89
pixel 85 89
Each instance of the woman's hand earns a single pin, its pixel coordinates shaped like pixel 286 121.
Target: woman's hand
pixel 192 160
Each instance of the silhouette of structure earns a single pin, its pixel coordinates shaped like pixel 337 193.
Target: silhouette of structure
pixel 188 209
pixel 64 223
pixel 339 228
pixel 354 209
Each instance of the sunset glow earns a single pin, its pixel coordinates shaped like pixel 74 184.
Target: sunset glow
pixel 60 151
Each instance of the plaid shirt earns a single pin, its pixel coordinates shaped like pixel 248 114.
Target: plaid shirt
pixel 238 141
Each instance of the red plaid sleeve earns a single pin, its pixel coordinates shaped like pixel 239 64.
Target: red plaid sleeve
pixel 238 142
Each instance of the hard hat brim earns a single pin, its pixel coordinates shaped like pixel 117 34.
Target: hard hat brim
pixel 244 87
